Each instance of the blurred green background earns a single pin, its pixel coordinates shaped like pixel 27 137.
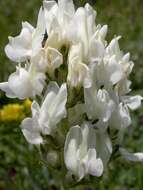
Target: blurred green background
pixel 20 168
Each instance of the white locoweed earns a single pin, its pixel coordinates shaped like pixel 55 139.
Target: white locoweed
pixel 79 85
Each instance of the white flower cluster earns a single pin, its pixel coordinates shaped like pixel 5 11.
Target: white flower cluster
pixel 79 84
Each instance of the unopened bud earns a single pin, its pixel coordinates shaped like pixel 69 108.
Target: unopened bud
pixel 53 158
pixel 70 179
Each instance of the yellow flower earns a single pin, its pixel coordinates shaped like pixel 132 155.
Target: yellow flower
pixel 27 104
pixel 15 112
pixel 12 112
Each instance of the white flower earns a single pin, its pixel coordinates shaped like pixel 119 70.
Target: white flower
pixel 57 22
pixel 135 157
pixel 113 68
pixel 80 153
pixel 66 7
pixel 45 118
pixel 98 105
pixel 97 44
pixel 24 83
pixel 113 52
pixel 86 32
pixel 133 102
pixel 50 11
pixel 31 128
pixel 48 59
pixel 120 117
pixel 108 72
pixel 29 41
pixel 67 45
pixel 103 145
pixel 78 72
pixel 113 49
pixel 83 19
pixel 124 87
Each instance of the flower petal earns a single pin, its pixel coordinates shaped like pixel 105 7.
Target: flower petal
pixel 133 102
pixel 4 86
pixel 19 48
pixel 103 147
pixel 135 157
pixel 57 110
pixel 73 140
pixel 95 166
pixel 115 70
pixel 66 6
pixel 31 131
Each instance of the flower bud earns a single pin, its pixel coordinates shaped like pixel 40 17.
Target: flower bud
pixel 70 179
pixel 53 158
